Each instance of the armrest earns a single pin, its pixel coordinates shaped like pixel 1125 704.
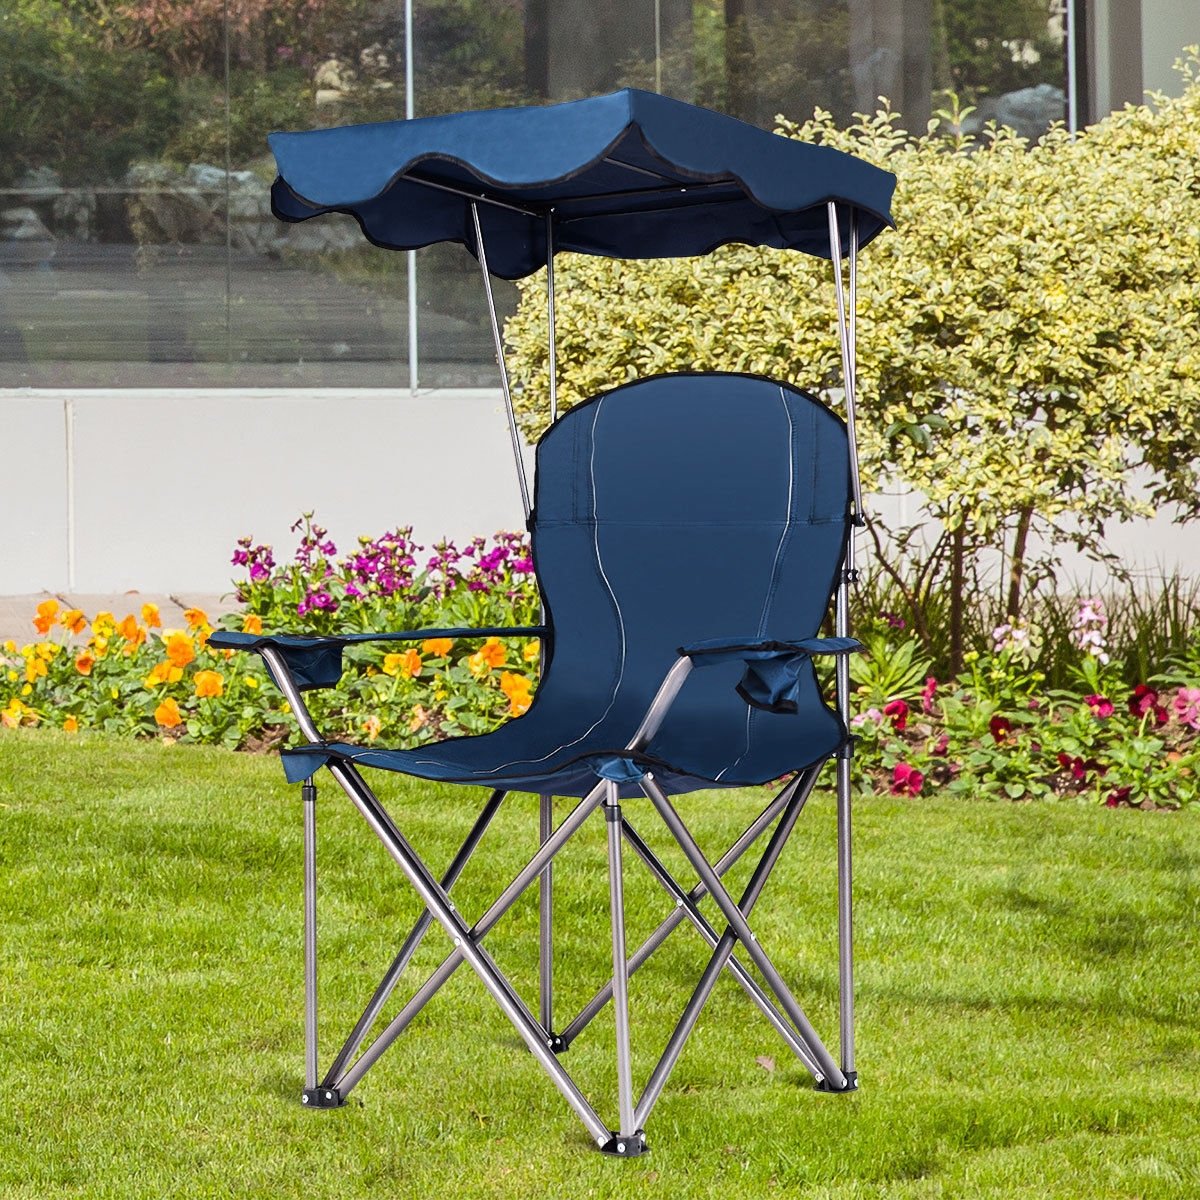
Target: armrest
pixel 773 668
pixel 316 662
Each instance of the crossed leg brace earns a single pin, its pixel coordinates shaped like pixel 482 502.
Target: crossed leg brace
pixel 775 1001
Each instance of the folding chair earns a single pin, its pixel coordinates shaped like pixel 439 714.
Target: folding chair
pixel 635 489
pixel 664 671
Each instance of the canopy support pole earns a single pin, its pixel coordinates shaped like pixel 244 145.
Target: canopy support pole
pixel 847 332
pixel 518 457
pixel 550 316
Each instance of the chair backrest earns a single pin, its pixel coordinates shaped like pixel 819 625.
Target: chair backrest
pixel 677 509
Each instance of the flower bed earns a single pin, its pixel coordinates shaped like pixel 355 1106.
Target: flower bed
pixel 993 731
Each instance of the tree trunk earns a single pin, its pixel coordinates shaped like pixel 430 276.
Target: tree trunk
pixel 1016 570
pixel 957 600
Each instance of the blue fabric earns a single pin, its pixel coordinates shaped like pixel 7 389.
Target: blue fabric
pixel 584 158
pixel 774 676
pixel 667 512
pixel 316 662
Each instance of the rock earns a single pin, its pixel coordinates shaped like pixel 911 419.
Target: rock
pixel 23 225
pixel 1030 111
pixel 206 177
pixel 374 60
pixel 333 74
pixel 325 235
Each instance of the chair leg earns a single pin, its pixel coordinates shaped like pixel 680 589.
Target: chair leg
pixel 628 1142
pixel 740 929
pixel 845 922
pixel 546 923
pixel 416 935
pixel 678 915
pixel 313 1096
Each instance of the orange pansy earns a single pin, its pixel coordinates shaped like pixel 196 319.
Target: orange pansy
pixel 209 683
pixel 195 617
pixel 180 650
pixel 372 726
pixel 151 617
pixel 167 714
pixel 516 688
pixel 132 632
pixel 46 612
pixel 71 725
pixel 439 647
pixel 163 672
pixel 252 623
pixel 73 620
pixel 84 663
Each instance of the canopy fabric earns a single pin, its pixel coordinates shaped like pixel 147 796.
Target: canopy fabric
pixel 627 175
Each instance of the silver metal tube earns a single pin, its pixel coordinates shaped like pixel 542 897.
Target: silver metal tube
pixel 616 898
pixel 550 316
pixel 670 687
pixel 291 693
pixel 745 935
pixel 848 380
pixel 751 834
pixel 411 943
pixel 546 917
pixel 452 961
pixel 438 903
pixel 310 934
pixel 845 919
pixel 722 954
pixel 513 433
pixel 710 935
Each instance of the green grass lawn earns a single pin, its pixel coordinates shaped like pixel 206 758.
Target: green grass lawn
pixel 1029 1021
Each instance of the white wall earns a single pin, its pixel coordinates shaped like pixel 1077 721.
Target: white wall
pixel 162 483
pixel 1167 26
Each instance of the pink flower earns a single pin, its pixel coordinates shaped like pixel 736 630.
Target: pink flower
pixel 1101 706
pixel 898 711
pixel 872 714
pixel 927 694
pixel 906 780
pixel 941 747
pixel 1187 706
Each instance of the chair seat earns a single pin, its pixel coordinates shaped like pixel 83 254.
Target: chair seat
pixel 542 753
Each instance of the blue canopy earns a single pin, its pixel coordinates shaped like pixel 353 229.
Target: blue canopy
pixel 628 175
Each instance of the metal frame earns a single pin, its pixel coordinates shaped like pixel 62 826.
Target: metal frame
pixel 775 1001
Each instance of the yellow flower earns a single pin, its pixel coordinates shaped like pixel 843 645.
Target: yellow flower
pixel 13 714
pixel 73 620
pixel 27 690
pixel 13 677
pixel 46 612
pixel 531 651
pixel 151 616
pixel 84 663
pixel 180 650
pixel 47 650
pixel 408 663
pixel 167 714
pixel 252 623
pixel 163 672
pixel 516 688
pixel 393 664
pixel 71 725
pixel 100 645
pixel 438 647
pixel 103 624
pixel 372 726
pixel 196 618
pixel 209 683
pixel 35 668
pixel 10 647
pixel 250 681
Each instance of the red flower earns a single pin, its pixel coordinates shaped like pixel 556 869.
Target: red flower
pixel 941 747
pixel 1101 706
pixel 927 694
pixel 1118 797
pixel 1144 699
pixel 906 780
pixel 1001 727
pixel 1079 767
pixel 898 711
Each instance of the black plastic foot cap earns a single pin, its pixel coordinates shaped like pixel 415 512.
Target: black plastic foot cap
pixel 626 1147
pixel 851 1084
pixel 321 1097
pixel 557 1045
